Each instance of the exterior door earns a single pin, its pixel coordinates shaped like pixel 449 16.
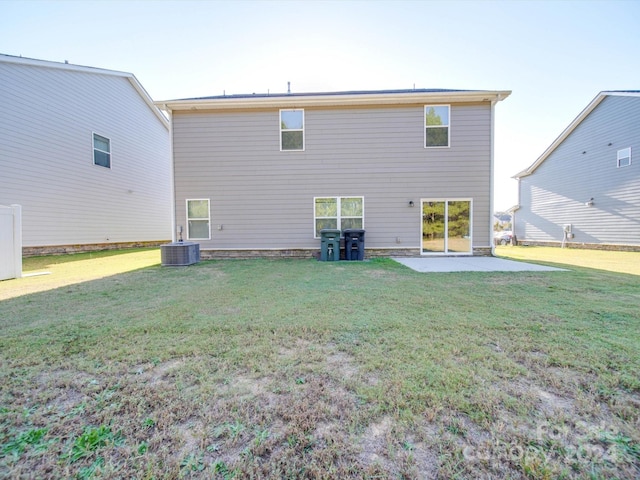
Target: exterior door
pixel 446 227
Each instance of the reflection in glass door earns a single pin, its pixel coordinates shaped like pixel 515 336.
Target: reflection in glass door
pixel 446 226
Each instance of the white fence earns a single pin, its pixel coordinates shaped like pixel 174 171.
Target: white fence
pixel 10 242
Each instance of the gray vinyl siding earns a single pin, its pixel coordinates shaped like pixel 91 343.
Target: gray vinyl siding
pixel 556 193
pixel 46 158
pixel 264 198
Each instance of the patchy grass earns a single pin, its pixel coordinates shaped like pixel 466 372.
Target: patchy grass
pixel 305 369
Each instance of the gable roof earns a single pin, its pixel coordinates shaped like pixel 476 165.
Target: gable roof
pixel 346 98
pixel 100 71
pixel 572 126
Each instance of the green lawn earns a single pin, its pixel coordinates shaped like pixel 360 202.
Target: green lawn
pixel 114 367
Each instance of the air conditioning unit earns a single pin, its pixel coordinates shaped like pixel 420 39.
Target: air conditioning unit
pixel 179 254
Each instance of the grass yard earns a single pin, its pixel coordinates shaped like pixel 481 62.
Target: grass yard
pixel 114 367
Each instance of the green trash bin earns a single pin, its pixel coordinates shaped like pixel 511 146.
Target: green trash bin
pixel 329 245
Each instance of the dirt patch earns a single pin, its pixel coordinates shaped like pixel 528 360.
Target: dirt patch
pixel 343 364
pixel 374 444
pixel 159 372
pixel 551 404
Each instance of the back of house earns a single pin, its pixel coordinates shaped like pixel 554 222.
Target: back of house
pixel 584 190
pixel 86 154
pixel 262 175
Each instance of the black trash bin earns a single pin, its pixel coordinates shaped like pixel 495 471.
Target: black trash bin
pixel 353 244
pixel 329 245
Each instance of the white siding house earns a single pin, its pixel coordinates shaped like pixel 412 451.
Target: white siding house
pixel 584 190
pixel 86 154
pixel 261 175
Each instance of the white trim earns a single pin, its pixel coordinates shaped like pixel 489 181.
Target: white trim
pixel 624 155
pixel 94 149
pixel 292 129
pixel 446 238
pixel 572 126
pixel 424 116
pixel 172 181
pixel 187 200
pixel 338 205
pixel 491 182
pixel 333 99
pixel 99 71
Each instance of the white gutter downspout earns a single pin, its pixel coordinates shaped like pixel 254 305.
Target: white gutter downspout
pixel 491 182
pixel 172 175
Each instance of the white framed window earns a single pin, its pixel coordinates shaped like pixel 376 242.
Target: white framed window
pixel 436 126
pixel 338 213
pixel 101 151
pixel 291 130
pixel 624 157
pixel 198 219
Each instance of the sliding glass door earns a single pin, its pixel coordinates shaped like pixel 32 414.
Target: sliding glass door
pixel 446 226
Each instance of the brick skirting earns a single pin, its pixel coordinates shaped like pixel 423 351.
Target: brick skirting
pixel 220 254
pixel 92 247
pixel 315 253
pixel 582 246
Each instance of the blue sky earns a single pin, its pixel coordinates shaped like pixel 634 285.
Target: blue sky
pixel 554 55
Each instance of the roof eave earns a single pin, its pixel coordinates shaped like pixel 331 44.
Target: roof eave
pixel 293 101
pixel 567 131
pixel 93 70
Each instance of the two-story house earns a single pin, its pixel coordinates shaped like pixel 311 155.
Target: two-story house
pixel 86 154
pixel 584 190
pixel 262 175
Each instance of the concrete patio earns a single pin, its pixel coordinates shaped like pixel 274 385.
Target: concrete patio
pixel 471 264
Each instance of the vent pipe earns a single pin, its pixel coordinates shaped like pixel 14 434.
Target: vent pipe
pixel 288 87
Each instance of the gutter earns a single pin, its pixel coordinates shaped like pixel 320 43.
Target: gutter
pixel 329 100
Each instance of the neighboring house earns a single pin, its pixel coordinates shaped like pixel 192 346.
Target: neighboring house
pixel 584 190
pixel 86 154
pixel 261 175
pixel 502 220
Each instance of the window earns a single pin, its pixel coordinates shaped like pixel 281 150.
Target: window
pixel 338 213
pixel 101 151
pixel 198 219
pixel 291 130
pixel 436 123
pixel 624 157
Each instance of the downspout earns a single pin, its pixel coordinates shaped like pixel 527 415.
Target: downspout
pixel 491 182
pixel 514 235
pixel 172 175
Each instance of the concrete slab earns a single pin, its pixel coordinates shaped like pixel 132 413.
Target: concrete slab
pixel 472 264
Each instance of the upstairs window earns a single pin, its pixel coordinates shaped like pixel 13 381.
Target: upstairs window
pixel 198 219
pixel 101 151
pixel 436 126
pixel 291 130
pixel 624 157
pixel 338 213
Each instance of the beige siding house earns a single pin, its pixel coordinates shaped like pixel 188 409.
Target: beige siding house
pixel 261 175
pixel 86 154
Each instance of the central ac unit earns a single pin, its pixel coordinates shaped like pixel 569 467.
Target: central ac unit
pixel 180 254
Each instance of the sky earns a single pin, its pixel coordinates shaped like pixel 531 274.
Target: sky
pixel 555 56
